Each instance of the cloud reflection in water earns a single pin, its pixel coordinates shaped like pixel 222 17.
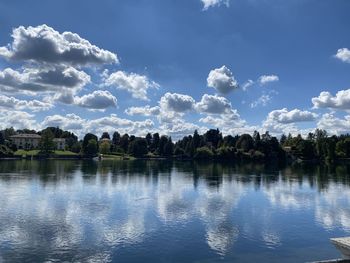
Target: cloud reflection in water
pixel 87 212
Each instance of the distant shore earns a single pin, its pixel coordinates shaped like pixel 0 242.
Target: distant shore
pixel 110 157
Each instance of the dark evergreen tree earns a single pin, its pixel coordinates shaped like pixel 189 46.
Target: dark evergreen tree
pixel 138 147
pixel 178 151
pixel 155 143
pixel 163 140
pixel 196 139
pixel 245 142
pixel 148 140
pixel 105 135
pixel 212 137
pixel 2 139
pixel 189 148
pixel 8 132
pixel 91 148
pixel 283 139
pixel 116 138
pixel 257 140
pixel 168 148
pixel 124 142
pixel 342 148
pixel 87 139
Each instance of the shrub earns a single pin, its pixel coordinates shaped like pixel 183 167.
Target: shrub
pixel 225 152
pixel 203 153
pixel 5 151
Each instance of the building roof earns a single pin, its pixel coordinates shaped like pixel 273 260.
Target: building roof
pixel 59 139
pixel 26 136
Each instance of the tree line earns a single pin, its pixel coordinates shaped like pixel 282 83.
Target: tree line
pixel 316 146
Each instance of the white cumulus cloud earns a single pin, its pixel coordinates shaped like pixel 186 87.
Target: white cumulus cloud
pixel 296 115
pixel 136 84
pixel 178 128
pixel 17 104
pixel 220 113
pixel 265 79
pixel 38 80
pixel 326 100
pixel 98 100
pixel 343 54
pixel 263 100
pixel 176 102
pixel 213 104
pixel 222 80
pixel 43 44
pixel 70 121
pixel 334 125
pixel 212 3
pixel 284 121
pixel 144 111
pixel 108 123
pixel 17 119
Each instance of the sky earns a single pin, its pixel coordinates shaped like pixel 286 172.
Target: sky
pixel 173 66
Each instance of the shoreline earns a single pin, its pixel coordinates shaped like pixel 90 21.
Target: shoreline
pixel 174 158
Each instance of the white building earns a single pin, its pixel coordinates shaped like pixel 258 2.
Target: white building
pixel 26 141
pixel 31 141
pixel 60 143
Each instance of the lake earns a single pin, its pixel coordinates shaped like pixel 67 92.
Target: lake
pixel 163 211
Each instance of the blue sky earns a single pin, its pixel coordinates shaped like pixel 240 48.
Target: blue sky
pixel 175 66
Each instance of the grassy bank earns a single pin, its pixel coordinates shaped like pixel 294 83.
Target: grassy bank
pixel 117 157
pixel 35 153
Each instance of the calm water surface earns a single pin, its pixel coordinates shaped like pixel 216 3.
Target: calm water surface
pixel 158 211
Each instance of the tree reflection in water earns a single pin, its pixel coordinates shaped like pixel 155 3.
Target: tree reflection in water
pixel 87 210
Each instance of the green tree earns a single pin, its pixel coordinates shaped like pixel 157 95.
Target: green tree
pixel 225 152
pixel 168 148
pixel 162 141
pixel 116 138
pixel 321 143
pixel 2 139
pixel 289 140
pixel 105 147
pixel 189 148
pixel 342 148
pixel 212 137
pixel 69 143
pixel 76 147
pixel 71 139
pixel 283 139
pixel 105 135
pixel 87 138
pixel 230 141
pixel 310 136
pixel 91 148
pixel 306 149
pixel 124 142
pixel 196 139
pixel 46 144
pixel 56 131
pixel 131 138
pixel 8 132
pixel 155 143
pixel 330 148
pixel 245 142
pixel 257 140
pixel 203 153
pixel 138 147
pixel 148 139
pixel 179 151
